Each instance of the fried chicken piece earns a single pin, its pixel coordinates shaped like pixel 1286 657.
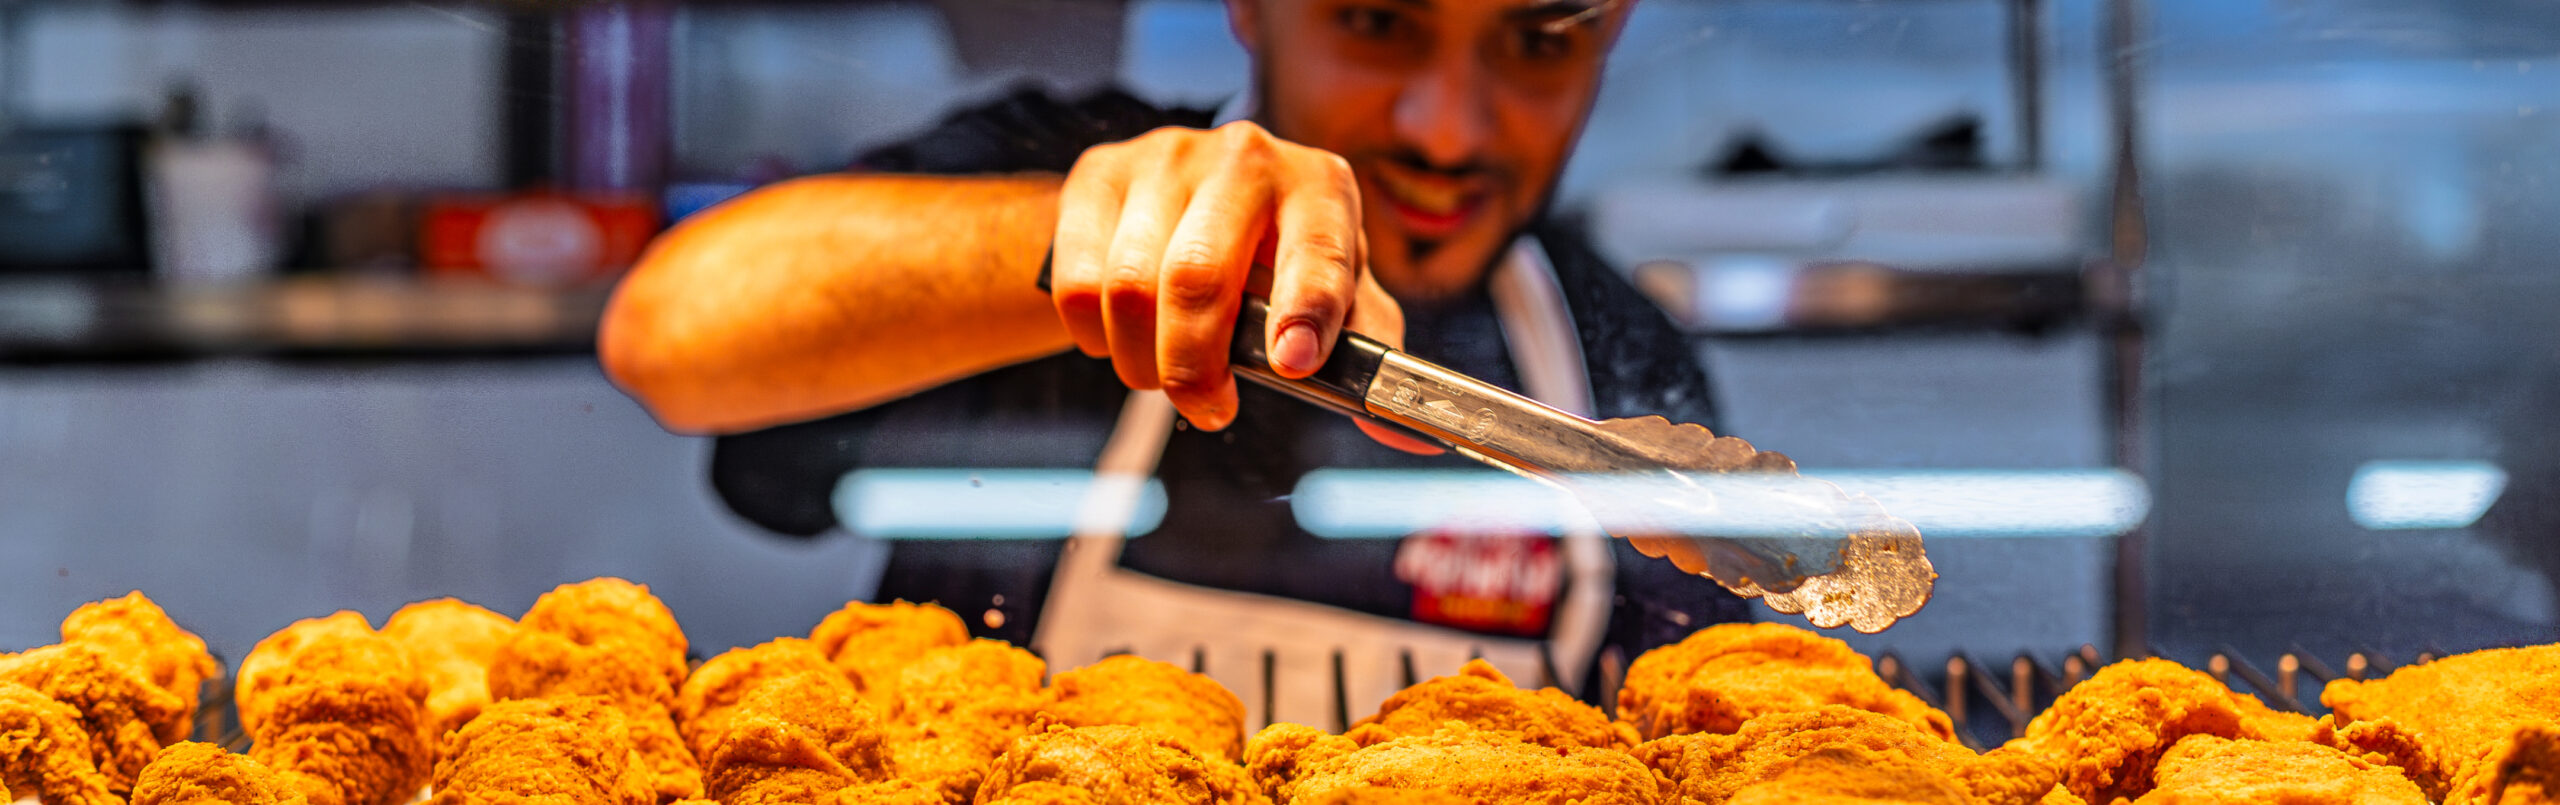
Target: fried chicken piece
pixel 1300 764
pixel 2522 770
pixel 2384 742
pixel 45 753
pixel 567 750
pixel 271 662
pixel 1728 674
pixel 606 610
pixel 194 773
pixel 891 792
pixel 606 637
pixel 1708 768
pixel 959 707
pixel 1485 699
pixel 1114 764
pixel 707 697
pixel 1140 692
pixel 120 708
pixel 871 642
pixel 533 664
pixel 135 631
pixel 798 743
pixel 2108 732
pixel 1839 775
pixel 1045 793
pixel 337 712
pixel 450 643
pixel 2459 708
pixel 1391 796
pixel 2060 796
pixel 2212 770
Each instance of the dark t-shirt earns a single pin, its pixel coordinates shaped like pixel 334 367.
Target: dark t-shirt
pixel 1228 523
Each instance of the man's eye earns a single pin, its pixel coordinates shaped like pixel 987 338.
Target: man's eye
pixel 1539 43
pixel 1372 22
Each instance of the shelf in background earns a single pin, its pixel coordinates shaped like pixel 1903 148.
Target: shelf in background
pixel 55 318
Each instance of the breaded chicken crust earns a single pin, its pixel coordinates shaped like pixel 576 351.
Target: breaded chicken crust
pixel 1839 775
pixel 1391 796
pixel 204 774
pixel 612 638
pixel 2384 742
pixel 872 642
pixel 336 711
pixel 2456 709
pixel 1115 764
pixel 708 696
pixel 1485 699
pixel 1140 692
pixel 134 630
pixel 2108 732
pixel 450 643
pixel 959 707
pixel 1708 769
pixel 1045 793
pixel 798 743
pixel 601 610
pixel 1300 764
pixel 2212 770
pixel 1728 674
pixel 565 750
pixel 2522 770
pixel 45 753
pixel 120 708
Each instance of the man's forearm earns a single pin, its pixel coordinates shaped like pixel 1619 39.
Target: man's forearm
pixel 833 293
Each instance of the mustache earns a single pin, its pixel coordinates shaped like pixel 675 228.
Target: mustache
pixel 1415 161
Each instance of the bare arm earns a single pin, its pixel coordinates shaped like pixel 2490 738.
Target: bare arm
pixel 832 293
pixel 828 294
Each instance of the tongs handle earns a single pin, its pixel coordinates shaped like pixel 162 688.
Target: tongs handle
pixel 1341 384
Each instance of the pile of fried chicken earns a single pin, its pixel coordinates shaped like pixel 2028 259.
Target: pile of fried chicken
pixel 589 698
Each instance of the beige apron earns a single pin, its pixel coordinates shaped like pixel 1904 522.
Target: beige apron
pixel 1277 653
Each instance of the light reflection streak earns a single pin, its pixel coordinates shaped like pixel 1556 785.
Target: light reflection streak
pixel 2393 495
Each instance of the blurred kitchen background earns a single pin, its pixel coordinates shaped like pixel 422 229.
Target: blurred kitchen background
pixel 2213 325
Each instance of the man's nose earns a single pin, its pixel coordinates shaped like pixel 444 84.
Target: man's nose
pixel 1442 112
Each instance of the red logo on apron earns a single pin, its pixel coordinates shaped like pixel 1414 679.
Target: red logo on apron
pixel 1497 583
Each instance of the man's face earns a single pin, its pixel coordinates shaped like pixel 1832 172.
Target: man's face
pixel 1456 115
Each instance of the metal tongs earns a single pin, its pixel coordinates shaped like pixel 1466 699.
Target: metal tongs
pixel 1710 504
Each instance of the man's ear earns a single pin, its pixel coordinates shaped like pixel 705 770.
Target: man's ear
pixel 1244 19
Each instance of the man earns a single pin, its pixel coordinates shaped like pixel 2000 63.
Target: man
pixel 1393 179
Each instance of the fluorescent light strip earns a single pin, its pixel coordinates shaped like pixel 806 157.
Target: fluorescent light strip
pixel 2005 503
pixel 1361 504
pixel 1357 504
pixel 2395 495
pixel 995 503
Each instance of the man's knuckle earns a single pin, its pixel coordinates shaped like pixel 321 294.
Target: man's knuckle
pixel 1192 261
pixel 1245 157
pixel 1326 248
pixel 1331 165
pixel 1195 288
pixel 1185 379
pixel 1129 275
pixel 1244 129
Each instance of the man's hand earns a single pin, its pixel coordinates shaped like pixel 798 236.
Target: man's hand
pixel 1157 242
